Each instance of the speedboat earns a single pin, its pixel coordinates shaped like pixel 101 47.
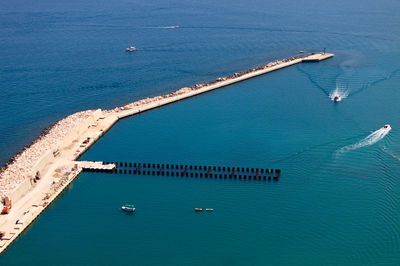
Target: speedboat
pixel 337 98
pixel 131 49
pixel 209 210
pixel 301 51
pixel 128 208
pixel 387 127
pixel 198 209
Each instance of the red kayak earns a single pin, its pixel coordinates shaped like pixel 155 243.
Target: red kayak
pixel 198 209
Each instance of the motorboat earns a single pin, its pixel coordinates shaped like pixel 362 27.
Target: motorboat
pixel 131 49
pixel 209 210
pixel 198 209
pixel 128 208
pixel 387 127
pixel 301 51
pixel 337 98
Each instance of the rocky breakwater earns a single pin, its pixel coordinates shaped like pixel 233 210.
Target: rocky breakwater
pixel 53 154
pixel 20 167
pixel 141 105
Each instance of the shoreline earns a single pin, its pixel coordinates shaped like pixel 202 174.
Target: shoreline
pixel 54 153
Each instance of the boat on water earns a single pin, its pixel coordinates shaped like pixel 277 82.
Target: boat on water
pixel 128 208
pixel 387 127
pixel 130 49
pixel 201 209
pixel 337 98
pixel 301 51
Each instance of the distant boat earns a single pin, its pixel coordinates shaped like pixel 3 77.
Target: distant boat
pixel 128 208
pixel 175 27
pixel 130 49
pixel 337 99
pixel 198 209
pixel 301 51
pixel 209 210
pixel 387 127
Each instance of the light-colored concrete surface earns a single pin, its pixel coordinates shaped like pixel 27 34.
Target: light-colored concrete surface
pixel 317 57
pixel 94 165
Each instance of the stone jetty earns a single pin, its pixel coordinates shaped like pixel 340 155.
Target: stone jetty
pixel 34 177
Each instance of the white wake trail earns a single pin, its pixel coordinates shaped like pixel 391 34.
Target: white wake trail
pixel 163 27
pixel 371 139
pixel 339 92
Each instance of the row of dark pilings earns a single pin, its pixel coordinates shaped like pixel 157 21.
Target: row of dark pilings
pixel 98 170
pixel 193 171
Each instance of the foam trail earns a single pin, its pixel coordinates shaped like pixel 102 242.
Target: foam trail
pixel 371 139
pixel 339 92
pixel 394 155
pixel 163 27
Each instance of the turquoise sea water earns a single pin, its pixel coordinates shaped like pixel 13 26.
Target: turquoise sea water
pixel 337 202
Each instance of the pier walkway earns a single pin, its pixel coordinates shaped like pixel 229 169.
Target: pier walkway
pixel 29 207
pixel 95 166
pixel 156 102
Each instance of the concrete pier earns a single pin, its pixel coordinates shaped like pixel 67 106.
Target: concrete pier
pixel 54 160
pixel 317 57
pixel 132 109
pixel 95 166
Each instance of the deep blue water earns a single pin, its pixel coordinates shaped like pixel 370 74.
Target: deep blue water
pixel 337 202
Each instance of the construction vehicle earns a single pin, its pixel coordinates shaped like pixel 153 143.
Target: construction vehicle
pixel 7 206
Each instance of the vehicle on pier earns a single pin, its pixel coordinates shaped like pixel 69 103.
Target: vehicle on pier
pixel 7 207
pixel 128 208
pixel 130 49
pixel 2 234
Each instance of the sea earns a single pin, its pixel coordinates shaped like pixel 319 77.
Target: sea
pixel 337 201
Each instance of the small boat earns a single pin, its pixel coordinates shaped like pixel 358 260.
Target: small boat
pixel 209 210
pixel 337 99
pixel 175 27
pixel 130 49
pixel 301 51
pixel 198 209
pixel 128 208
pixel 387 127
